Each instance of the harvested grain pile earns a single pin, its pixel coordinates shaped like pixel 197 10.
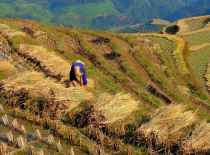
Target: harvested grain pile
pixel 72 96
pixel 4 27
pixel 48 59
pixel 199 142
pixel 11 33
pixel 6 69
pixel 166 126
pixel 27 78
pixel 111 108
pixel 38 86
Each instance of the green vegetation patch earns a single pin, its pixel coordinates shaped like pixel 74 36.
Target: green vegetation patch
pixel 198 38
pixel 198 61
pixel 5 8
pixel 16 40
pixel 36 12
pixel 165 44
pixel 89 9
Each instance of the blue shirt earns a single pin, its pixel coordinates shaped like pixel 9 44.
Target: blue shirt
pixel 82 70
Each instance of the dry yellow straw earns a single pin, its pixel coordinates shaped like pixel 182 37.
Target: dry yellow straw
pixel 199 142
pixel 116 107
pixel 166 124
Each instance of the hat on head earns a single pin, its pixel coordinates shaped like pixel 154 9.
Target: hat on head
pixel 80 62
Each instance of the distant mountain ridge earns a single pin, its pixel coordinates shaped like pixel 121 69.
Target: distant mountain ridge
pixel 198 8
pixel 101 14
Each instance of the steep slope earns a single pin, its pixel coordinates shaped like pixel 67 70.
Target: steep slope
pixel 150 69
pixel 195 31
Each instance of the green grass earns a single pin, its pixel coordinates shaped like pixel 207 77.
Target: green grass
pixel 198 61
pixel 167 58
pixel 6 8
pixel 75 20
pixel 89 9
pixel 197 39
pixel 16 40
pixel 80 16
pixel 36 12
pixel 165 44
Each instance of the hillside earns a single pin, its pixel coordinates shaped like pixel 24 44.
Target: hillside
pixel 154 25
pixel 195 31
pixel 101 14
pixel 142 96
pixel 198 8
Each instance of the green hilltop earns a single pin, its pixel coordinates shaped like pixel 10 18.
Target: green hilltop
pixel 100 15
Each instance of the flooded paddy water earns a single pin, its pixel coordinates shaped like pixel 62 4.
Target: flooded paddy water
pixel 37 145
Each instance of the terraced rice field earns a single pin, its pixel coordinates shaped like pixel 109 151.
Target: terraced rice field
pixel 198 61
pixel 197 39
pixel 133 80
pixel 195 24
pixel 197 36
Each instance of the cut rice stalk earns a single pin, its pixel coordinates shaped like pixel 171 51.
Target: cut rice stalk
pixel 198 142
pixel 58 146
pixel 21 142
pixel 50 140
pixel 15 124
pixel 111 108
pixel 9 137
pixel 5 120
pixel 23 130
pixel 166 126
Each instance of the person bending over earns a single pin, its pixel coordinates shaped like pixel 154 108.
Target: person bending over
pixel 78 71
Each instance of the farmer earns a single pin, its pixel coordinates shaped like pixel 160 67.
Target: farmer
pixel 78 71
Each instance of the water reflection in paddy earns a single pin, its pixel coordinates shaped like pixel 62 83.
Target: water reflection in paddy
pixel 42 144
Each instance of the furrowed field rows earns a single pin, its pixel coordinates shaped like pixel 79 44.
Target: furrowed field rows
pixel 198 38
pixel 129 72
pixel 195 31
pixel 166 57
pixel 198 61
pixel 178 49
pixel 197 23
